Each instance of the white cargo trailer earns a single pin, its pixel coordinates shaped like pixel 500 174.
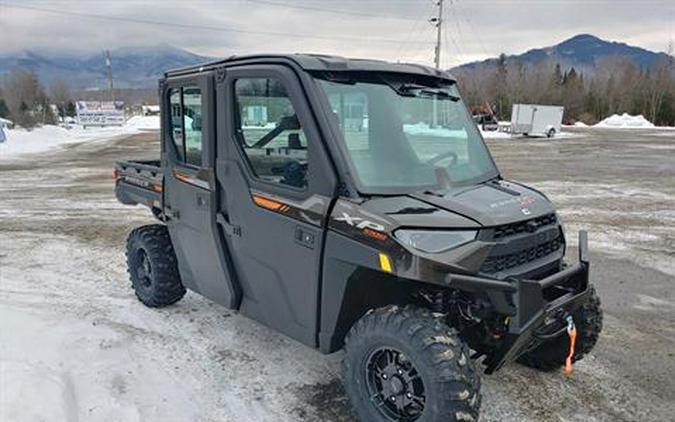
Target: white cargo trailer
pixel 535 119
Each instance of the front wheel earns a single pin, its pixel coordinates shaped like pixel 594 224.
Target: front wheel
pixel 406 364
pixel 550 133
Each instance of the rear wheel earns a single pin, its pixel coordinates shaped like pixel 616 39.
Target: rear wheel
pixel 550 133
pixel 152 266
pixel 552 354
pixel 406 364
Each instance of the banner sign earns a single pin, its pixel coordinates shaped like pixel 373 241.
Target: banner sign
pixel 100 113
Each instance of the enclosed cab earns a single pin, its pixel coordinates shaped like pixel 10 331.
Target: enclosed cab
pixel 353 204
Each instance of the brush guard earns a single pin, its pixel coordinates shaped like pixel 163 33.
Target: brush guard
pixel 532 306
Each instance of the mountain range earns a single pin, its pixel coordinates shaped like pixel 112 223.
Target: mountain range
pixel 132 67
pixel 141 67
pixel 583 52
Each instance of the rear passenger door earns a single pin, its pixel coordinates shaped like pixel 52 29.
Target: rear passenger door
pixel 277 188
pixel 190 197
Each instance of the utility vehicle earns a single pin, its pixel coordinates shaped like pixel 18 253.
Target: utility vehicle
pixel 353 204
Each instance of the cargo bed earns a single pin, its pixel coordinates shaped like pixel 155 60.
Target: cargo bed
pixel 140 182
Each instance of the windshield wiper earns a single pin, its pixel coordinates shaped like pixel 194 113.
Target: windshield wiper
pixel 440 93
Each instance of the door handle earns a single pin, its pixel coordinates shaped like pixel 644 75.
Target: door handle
pixel 172 213
pixel 230 230
pixel 305 237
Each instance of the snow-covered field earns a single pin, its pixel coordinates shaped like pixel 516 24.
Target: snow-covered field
pixel 76 345
pixel 20 141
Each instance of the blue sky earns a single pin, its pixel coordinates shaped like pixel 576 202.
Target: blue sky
pixel 387 29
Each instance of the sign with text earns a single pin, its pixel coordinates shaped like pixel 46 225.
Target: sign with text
pixel 100 113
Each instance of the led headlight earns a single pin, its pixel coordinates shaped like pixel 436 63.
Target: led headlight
pixel 432 241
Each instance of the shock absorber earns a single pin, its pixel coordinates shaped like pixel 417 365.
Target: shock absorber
pixel 439 301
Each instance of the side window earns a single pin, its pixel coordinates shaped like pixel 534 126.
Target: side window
pixel 269 132
pixel 186 124
pixel 192 122
pixel 176 123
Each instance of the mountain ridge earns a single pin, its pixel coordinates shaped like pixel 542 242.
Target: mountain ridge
pixel 133 67
pixel 141 67
pixel 582 51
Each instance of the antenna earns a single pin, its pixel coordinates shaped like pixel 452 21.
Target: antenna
pixel 108 64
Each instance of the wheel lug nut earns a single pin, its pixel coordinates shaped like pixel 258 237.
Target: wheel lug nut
pixel 400 372
pixel 384 376
pixel 393 398
pixel 409 395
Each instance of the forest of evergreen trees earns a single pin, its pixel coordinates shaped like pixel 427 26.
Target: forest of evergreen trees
pixel 614 85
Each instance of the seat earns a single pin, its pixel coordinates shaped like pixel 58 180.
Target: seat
pixel 294 141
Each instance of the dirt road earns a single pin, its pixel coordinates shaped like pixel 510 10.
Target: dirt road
pixel 73 334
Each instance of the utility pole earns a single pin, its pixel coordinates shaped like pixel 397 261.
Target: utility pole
pixel 438 22
pixel 108 64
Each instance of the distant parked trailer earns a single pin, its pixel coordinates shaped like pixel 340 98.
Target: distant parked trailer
pixel 535 119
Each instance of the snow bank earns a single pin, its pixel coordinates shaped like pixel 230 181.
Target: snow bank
pixel 625 121
pixel 143 122
pixel 21 141
pixel 425 129
pixel 495 134
pixel 580 124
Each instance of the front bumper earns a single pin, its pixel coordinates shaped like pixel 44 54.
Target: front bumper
pixel 531 305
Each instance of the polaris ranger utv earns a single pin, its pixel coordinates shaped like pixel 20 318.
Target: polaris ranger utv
pixel 353 203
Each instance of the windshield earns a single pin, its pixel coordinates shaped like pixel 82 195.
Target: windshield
pixel 403 137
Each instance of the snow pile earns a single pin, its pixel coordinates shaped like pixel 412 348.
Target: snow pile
pixel 625 121
pixel 426 130
pixel 580 124
pixel 495 134
pixel 143 122
pixel 22 141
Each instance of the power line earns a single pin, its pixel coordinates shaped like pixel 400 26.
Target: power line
pixel 324 10
pixel 199 27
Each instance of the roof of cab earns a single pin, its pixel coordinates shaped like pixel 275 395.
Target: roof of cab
pixel 316 62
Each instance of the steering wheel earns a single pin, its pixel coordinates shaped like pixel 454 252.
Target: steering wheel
pixel 293 173
pixel 443 156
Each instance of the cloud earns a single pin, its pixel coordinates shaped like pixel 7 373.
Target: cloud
pixel 474 29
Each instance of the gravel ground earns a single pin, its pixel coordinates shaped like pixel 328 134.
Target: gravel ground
pixel 73 334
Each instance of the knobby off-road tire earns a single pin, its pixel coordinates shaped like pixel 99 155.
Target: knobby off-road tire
pixel 152 267
pixel 433 364
pixel 552 354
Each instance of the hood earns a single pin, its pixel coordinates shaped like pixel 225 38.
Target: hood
pixel 492 203
pixel 404 211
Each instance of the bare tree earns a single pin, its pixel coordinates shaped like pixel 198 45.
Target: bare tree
pixel 26 99
pixel 59 92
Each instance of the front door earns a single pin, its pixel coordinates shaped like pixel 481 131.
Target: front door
pixel 188 133
pixel 277 185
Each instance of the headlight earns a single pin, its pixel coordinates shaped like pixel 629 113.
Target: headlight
pixel 435 241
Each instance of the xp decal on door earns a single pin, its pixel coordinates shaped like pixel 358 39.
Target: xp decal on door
pixel 353 204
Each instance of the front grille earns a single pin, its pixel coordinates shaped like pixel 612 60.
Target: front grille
pixel 520 243
pixel 499 263
pixel 527 226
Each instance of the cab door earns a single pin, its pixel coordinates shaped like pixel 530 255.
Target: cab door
pixel 190 197
pixel 277 184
